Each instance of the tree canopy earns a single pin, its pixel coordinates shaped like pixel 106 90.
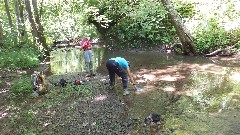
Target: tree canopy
pixel 129 23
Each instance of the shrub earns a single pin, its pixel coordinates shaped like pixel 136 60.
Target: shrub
pixel 211 37
pixel 19 58
pixel 21 87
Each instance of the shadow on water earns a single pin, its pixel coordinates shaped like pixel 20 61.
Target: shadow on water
pixel 194 95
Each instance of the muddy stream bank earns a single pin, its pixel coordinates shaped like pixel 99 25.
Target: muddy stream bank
pixel 193 95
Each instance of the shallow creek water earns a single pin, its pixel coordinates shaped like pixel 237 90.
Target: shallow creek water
pixel 193 95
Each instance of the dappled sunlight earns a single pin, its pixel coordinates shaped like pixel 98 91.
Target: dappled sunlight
pixel 145 89
pixel 46 124
pixel 3 91
pixel 100 98
pixel 212 68
pixel 176 72
pixel 186 93
pixel 21 72
pixel 169 89
pixel 177 75
pixel 146 77
pixel 4 111
pixel 168 78
pixel 235 77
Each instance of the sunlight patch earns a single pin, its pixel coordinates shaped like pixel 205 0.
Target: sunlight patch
pixel 46 124
pixel 169 78
pixel 100 98
pixel 146 77
pixel 145 89
pixel 2 115
pixel 211 68
pixel 4 112
pixel 149 77
pixel 235 77
pixel 3 90
pixel 169 89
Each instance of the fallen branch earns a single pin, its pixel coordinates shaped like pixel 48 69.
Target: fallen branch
pixel 216 52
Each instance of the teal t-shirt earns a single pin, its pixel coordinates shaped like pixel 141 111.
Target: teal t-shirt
pixel 121 61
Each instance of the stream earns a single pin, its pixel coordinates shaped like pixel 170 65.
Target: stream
pixel 193 95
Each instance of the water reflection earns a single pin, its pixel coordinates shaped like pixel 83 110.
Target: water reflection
pixel 68 60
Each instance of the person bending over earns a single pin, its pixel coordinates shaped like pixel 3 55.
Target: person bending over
pixel 120 67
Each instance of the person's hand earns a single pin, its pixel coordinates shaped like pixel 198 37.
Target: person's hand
pixel 135 87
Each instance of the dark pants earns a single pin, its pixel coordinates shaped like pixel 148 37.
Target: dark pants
pixel 114 68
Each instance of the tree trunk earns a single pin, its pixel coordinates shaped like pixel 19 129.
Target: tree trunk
pixel 8 14
pixel 184 35
pixel 22 32
pixel 32 22
pixel 18 12
pixel 1 34
pixel 17 18
pixel 39 25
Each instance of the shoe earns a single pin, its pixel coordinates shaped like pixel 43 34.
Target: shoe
pixel 125 92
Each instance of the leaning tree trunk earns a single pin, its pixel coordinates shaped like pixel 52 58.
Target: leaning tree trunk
pixel 39 25
pixel 184 35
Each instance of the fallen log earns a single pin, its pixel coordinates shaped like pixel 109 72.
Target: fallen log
pixel 225 51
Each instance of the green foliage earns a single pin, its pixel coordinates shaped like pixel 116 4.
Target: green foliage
pixel 211 36
pixel 1 83
pixel 132 24
pixel 21 87
pixel 19 58
pixel 136 25
pixel 31 117
pixel 79 90
pixel 185 9
pixel 234 36
pixel 66 20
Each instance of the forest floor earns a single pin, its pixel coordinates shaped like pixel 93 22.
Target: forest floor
pixel 90 109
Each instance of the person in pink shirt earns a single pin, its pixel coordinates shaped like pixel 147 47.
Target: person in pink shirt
pixel 88 55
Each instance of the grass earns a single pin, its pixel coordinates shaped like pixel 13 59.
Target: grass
pixel 29 115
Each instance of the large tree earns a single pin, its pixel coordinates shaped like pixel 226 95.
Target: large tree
pixel 32 22
pixel 38 23
pixel 182 32
pixel 35 24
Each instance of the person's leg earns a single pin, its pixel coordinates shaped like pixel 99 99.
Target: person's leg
pixel 110 66
pixel 90 54
pixel 121 73
pixel 87 61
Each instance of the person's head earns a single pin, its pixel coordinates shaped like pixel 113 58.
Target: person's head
pixel 85 39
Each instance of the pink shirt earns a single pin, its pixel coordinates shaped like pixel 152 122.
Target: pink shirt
pixel 88 45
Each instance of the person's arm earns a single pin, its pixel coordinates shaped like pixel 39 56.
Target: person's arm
pixel 81 44
pixel 89 45
pixel 131 78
